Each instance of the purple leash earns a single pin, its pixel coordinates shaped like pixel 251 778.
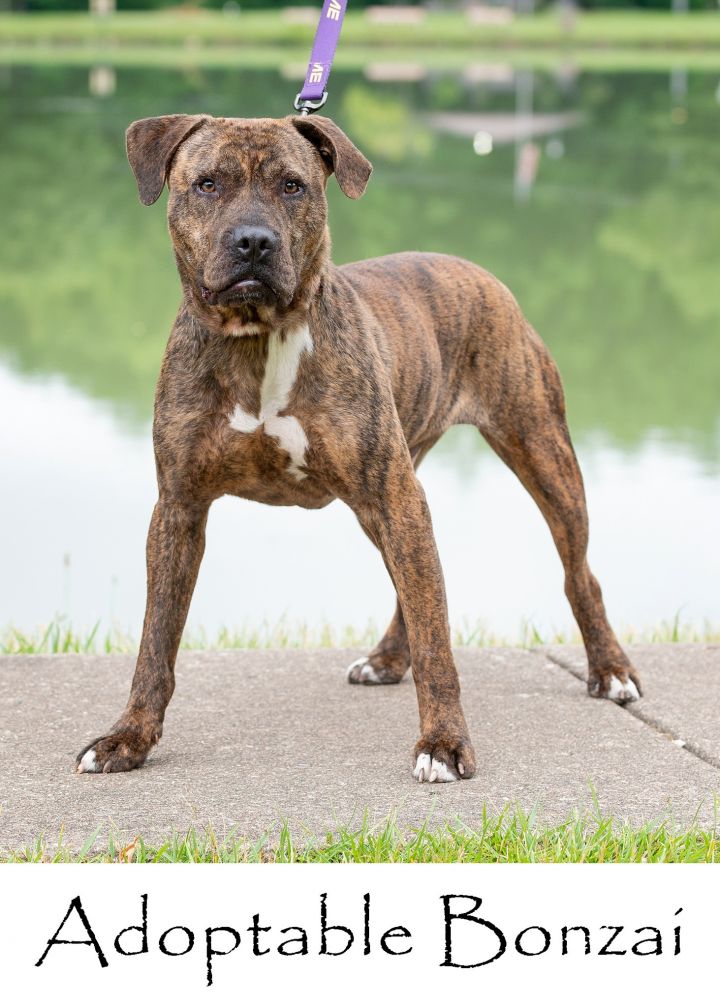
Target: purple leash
pixel 313 95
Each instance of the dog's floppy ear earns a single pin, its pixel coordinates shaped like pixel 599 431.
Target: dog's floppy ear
pixel 151 144
pixel 352 169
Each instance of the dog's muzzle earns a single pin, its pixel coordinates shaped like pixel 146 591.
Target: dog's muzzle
pixel 246 268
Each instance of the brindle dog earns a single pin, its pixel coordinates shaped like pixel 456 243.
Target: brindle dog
pixel 292 381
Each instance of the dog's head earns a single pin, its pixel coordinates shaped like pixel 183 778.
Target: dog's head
pixel 247 208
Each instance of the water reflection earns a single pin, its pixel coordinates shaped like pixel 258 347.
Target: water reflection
pixel 599 205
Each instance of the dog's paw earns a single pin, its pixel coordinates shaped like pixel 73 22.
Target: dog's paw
pixel 119 752
pixel 432 770
pixel 87 762
pixel 444 763
pixel 621 685
pixel 362 672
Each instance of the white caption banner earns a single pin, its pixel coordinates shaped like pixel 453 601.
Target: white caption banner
pixel 371 933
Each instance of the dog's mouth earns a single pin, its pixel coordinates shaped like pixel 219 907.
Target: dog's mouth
pixel 248 290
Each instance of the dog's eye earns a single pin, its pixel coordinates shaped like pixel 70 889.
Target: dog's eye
pixel 292 187
pixel 207 185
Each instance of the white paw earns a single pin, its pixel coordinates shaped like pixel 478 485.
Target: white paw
pixel 432 770
pixel 360 672
pixel 622 692
pixel 88 763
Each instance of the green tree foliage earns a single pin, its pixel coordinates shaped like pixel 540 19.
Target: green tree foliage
pixel 613 258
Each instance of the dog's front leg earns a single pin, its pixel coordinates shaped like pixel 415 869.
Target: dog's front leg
pixel 175 546
pixel 399 521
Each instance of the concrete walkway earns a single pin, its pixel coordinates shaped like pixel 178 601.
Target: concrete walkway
pixel 255 737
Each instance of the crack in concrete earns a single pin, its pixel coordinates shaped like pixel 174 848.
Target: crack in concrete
pixel 636 710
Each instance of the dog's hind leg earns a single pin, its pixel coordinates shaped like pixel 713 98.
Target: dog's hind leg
pixel 525 424
pixel 388 662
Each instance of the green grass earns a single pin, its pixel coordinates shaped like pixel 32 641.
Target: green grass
pixel 354 58
pixel 607 40
pixel 640 29
pixel 59 637
pixel 511 837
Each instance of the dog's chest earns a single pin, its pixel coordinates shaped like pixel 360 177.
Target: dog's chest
pixel 266 444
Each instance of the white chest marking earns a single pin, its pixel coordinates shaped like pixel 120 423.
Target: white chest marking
pixel 281 368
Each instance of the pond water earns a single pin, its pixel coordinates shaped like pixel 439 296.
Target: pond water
pixel 599 205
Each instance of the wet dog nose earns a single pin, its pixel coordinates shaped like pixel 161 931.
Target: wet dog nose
pixel 253 244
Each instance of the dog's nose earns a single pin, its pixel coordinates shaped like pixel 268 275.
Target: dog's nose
pixel 253 244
